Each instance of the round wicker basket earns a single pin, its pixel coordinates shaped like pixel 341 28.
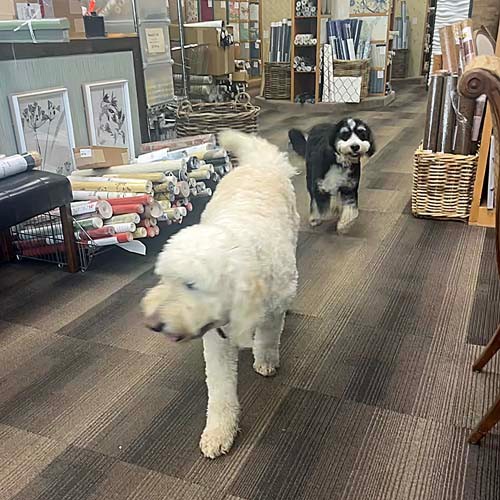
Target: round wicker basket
pixel 200 118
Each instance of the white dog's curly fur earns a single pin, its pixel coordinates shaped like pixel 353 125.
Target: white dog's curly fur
pixel 236 270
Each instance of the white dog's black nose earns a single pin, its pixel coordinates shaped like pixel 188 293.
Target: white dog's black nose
pixel 355 147
pixel 156 327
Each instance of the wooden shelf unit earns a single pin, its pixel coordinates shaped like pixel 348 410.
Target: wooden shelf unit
pixel 312 25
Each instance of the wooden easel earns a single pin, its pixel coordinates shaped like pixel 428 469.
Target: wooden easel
pixel 479 214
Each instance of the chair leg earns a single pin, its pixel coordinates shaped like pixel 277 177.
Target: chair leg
pixel 69 239
pixel 487 422
pixel 489 351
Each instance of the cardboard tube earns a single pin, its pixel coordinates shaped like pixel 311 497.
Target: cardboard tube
pixel 433 116
pixel 449 50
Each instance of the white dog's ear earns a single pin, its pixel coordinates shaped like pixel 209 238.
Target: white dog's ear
pixel 248 307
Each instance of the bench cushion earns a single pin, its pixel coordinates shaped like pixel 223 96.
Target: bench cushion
pixel 32 193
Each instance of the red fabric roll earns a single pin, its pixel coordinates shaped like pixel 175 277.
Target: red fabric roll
pixel 143 199
pixel 135 208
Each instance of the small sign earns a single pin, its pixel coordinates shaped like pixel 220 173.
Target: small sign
pixel 155 40
pixel 380 74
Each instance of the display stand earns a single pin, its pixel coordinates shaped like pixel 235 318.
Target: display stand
pixel 479 213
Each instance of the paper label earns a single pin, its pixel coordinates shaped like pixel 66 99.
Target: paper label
pixel 246 45
pixel 210 4
pixel 155 40
pixel 257 44
pixel 223 5
pixel 380 74
pixel 85 153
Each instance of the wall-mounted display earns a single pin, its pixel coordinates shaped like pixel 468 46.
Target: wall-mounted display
pixel 108 114
pixel 42 122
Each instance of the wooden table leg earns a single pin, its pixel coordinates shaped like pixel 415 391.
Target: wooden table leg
pixel 489 351
pixel 487 422
pixel 7 252
pixel 69 239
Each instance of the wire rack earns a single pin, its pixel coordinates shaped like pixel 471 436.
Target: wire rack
pixel 41 238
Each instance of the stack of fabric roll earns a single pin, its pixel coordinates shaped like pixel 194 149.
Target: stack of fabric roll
pixel 452 122
pixel 305 8
pixel 115 205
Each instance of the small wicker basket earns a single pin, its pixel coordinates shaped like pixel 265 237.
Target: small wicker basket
pixel 358 67
pixel 277 80
pixel 196 119
pixel 443 184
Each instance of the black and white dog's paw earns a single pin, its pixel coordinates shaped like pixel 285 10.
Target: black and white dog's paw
pixel 349 214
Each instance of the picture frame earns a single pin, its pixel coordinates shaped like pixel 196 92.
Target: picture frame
pixel 109 117
pixel 42 123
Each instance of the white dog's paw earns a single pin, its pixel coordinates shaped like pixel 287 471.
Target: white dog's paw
pixel 217 441
pixel 314 221
pixel 266 369
pixel 349 215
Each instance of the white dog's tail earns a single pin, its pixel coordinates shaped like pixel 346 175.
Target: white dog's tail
pixel 253 150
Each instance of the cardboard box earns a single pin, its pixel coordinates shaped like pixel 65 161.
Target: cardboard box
pixel 100 157
pixel 220 61
pixel 72 10
pixel 7 10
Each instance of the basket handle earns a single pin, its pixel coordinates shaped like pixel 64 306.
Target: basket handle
pixel 185 107
pixel 243 98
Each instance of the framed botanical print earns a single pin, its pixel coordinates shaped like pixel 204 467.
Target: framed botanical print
pixel 42 122
pixel 108 114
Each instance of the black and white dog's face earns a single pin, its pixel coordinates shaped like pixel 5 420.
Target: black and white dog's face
pixel 353 139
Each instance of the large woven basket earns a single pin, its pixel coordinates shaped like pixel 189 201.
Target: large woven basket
pixel 195 119
pixel 443 184
pixel 358 67
pixel 277 80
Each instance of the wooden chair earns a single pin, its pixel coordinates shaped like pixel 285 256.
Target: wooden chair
pixel 482 76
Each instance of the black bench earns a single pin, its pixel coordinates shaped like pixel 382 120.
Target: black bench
pixel 33 193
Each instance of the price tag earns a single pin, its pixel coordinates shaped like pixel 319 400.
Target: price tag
pixel 85 153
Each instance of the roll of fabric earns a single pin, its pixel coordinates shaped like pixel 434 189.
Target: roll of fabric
pixel 140 232
pixel 124 227
pixel 153 210
pixel 96 233
pixel 100 207
pixel 12 165
pixel 449 49
pixel 457 35
pixel 199 174
pixel 90 223
pixel 433 116
pixel 465 117
pixel 148 176
pixel 151 232
pixel 119 219
pixel 447 128
pixel 157 166
pixel 136 208
pixel 468 41
pixel 144 199
pixel 101 195
pixel 113 240
pixel 137 186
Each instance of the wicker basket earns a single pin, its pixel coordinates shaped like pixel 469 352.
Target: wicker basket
pixel 358 67
pixel 200 118
pixel 277 80
pixel 443 185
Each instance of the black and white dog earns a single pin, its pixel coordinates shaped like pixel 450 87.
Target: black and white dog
pixel 333 167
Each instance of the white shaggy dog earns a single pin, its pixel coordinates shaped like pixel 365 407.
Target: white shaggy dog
pixel 231 278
